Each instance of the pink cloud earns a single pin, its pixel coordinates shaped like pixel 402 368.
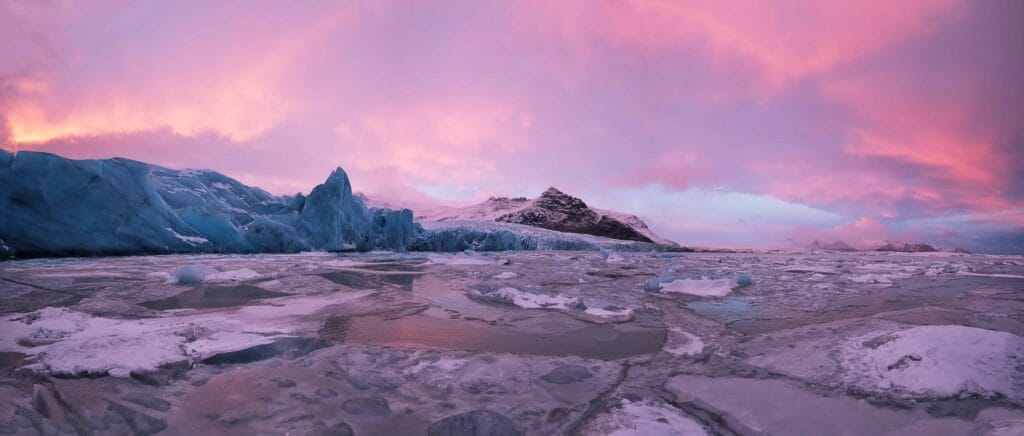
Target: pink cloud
pixel 867 109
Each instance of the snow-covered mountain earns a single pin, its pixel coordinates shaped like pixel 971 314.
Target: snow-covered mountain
pixel 52 206
pixel 553 210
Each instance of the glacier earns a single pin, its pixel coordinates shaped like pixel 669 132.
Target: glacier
pixel 53 206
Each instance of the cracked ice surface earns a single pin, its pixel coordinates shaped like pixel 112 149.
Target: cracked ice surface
pixel 526 342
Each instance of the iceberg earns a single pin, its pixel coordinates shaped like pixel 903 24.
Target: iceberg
pixel 53 206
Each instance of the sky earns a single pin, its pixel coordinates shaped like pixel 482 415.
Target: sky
pixel 740 123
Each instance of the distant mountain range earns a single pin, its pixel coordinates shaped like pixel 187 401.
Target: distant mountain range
pixel 892 246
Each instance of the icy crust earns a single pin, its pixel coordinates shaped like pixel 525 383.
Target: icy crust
pixel 50 205
pixel 782 407
pixel 65 342
pixel 449 236
pixel 682 343
pixel 643 418
pixel 536 300
pixel 880 273
pixel 936 362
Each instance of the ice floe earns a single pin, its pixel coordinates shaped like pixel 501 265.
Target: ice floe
pixel 74 343
pixel 936 362
pixel 701 287
pixel 779 406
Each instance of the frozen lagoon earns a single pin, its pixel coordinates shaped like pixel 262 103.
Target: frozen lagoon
pixel 514 342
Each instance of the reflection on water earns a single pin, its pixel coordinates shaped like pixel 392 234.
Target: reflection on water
pixel 432 289
pixel 423 331
pixel 363 279
pixel 750 315
pixel 10 360
pixel 730 309
pixel 205 297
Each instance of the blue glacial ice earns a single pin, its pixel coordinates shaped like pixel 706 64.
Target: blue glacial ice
pixel 50 205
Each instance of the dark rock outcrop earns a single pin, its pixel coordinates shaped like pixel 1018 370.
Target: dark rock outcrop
pixel 833 246
pixel 556 210
pixel 904 247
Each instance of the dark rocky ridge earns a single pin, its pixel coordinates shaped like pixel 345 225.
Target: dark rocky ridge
pixel 889 246
pixel 905 247
pixel 834 246
pixel 556 210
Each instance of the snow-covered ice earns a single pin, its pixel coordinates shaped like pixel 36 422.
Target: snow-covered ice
pixel 939 361
pixel 701 287
pixel 643 418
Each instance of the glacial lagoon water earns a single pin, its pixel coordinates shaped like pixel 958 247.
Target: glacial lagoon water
pixel 566 342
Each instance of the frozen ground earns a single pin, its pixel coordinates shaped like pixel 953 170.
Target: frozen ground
pixel 584 342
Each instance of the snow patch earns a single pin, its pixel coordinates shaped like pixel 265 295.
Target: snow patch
pixel 644 418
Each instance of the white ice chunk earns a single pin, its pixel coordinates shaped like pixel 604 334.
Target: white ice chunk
pixel 682 343
pixel 704 287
